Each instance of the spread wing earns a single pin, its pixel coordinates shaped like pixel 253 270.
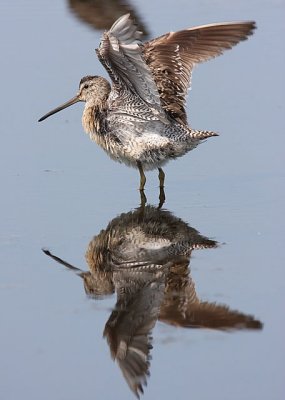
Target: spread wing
pixel 205 315
pixel 120 52
pixel 128 330
pixel 171 58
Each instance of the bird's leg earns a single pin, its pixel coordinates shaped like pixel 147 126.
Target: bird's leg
pixel 143 178
pixel 161 176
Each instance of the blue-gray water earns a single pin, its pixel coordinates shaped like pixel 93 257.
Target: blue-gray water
pixel 58 190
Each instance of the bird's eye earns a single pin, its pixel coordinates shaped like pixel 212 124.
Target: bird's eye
pixel 86 86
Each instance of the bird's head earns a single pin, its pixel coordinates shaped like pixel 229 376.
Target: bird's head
pixel 93 90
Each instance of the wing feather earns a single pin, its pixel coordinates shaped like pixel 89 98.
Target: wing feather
pixel 171 58
pixel 120 52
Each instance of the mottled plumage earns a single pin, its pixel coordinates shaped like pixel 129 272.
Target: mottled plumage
pixel 141 120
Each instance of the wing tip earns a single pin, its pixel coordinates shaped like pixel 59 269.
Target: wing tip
pixel 125 30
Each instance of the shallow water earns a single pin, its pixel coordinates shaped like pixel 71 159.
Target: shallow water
pixel 59 190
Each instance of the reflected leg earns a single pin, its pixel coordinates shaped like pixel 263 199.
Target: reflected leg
pixel 161 197
pixel 143 201
pixel 161 176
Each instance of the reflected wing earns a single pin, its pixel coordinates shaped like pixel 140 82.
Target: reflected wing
pixel 120 52
pixel 206 315
pixel 182 307
pixel 172 57
pixel 128 330
pixel 132 354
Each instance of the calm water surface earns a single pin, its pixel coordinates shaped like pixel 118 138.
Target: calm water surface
pixel 222 229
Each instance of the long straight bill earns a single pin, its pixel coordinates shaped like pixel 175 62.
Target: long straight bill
pixel 62 107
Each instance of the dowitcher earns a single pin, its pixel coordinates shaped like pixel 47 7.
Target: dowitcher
pixel 140 119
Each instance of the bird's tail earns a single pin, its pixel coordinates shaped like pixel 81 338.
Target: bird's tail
pixel 201 135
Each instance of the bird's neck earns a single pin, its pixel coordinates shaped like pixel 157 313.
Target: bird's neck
pixel 93 118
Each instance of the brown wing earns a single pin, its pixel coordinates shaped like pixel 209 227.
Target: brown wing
pixel 205 315
pixel 171 58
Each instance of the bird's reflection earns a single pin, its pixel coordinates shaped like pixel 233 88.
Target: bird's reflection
pixel 144 256
pixel 101 14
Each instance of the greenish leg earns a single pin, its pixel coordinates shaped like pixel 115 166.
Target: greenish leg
pixel 143 178
pixel 161 176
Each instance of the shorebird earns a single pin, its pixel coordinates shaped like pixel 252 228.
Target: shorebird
pixel 140 119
